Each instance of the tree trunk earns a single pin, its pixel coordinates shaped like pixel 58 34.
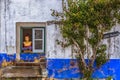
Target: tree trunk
pixel 84 79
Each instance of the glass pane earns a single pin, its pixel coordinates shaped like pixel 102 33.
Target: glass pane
pixel 38 34
pixel 38 44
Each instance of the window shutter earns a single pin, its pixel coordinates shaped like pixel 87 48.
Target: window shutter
pixel 38 40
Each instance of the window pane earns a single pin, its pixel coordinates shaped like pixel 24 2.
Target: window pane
pixel 38 44
pixel 38 40
pixel 38 34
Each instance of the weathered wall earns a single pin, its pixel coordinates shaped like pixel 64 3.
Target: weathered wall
pixel 13 11
pixel 113 44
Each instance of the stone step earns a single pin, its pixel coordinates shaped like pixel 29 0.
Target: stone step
pixel 35 69
pixel 29 63
pixel 41 65
pixel 22 72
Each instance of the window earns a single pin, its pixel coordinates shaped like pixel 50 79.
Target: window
pixel 30 37
pixel 32 40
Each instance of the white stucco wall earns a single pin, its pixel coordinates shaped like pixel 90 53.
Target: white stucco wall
pixel 113 44
pixel 13 11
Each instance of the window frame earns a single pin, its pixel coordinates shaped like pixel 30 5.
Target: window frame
pixel 43 39
pixel 19 26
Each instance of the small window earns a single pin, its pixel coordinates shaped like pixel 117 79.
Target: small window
pixel 32 40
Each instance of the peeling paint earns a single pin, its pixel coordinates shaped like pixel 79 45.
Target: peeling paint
pixel 12 11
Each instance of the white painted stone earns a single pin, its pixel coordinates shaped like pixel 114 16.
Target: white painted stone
pixel 12 11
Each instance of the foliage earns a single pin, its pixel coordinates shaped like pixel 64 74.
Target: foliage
pixel 84 23
pixel 109 78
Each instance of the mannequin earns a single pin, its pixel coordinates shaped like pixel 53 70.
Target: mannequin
pixel 27 44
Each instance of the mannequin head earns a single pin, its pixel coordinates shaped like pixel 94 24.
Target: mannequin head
pixel 27 38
